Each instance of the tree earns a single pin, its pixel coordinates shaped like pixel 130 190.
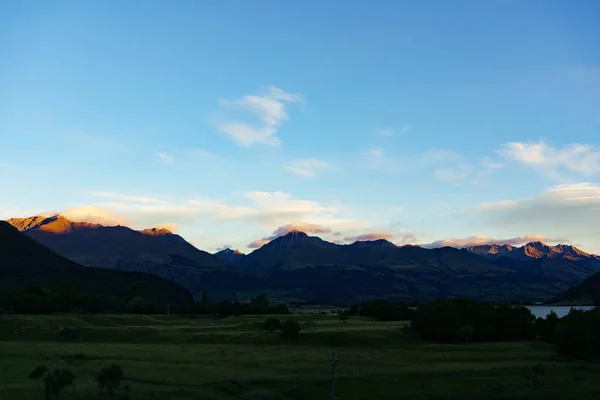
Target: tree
pixel 110 378
pixel 55 380
pixel 343 316
pixel 290 329
pixel 259 304
pixel 578 334
pixel 271 324
pixel 38 373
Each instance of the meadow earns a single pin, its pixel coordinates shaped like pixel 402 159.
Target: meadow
pixel 175 357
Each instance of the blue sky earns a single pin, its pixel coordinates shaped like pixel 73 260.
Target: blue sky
pixel 234 121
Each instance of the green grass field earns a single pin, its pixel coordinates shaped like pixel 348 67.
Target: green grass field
pixel 186 358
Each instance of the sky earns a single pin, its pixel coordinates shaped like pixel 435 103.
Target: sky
pixel 233 122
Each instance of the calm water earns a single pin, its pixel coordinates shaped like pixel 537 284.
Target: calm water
pixel 561 311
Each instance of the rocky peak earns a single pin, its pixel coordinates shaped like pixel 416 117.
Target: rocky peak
pixel 156 232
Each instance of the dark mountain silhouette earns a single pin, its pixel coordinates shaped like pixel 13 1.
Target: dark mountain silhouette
pixel 314 269
pixel 301 267
pixel 586 293
pixel 373 243
pixel 25 262
pixel 231 256
pixel 156 251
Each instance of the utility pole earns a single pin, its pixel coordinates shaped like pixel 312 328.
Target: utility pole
pixel 332 367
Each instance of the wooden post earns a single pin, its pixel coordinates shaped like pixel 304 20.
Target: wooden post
pixel 332 367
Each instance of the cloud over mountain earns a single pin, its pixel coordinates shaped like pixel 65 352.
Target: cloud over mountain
pixel 285 229
pixel 486 240
pixel 368 236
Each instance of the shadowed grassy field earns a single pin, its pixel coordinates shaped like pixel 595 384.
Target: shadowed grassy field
pixel 187 358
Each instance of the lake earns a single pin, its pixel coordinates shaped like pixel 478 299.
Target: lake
pixel 561 311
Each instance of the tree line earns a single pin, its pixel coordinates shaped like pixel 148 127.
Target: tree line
pixel 575 336
pixel 138 300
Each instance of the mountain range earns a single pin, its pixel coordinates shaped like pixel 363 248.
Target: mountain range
pixel 25 262
pixel 298 267
pixel 156 251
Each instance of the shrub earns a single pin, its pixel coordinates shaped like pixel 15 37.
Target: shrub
pixel 290 329
pixel 109 378
pixel 272 324
pixel 38 373
pixel 55 380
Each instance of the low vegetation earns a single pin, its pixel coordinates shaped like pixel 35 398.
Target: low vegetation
pixel 457 349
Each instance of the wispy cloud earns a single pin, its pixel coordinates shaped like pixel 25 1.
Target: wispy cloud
pixel 306 167
pixel 391 132
pixel 129 198
pixel 368 237
pixel 558 163
pixel 269 107
pixel 453 175
pixel 571 210
pixel 165 158
pixel 481 240
pixel 95 215
pixel 405 128
pixel 407 238
pixel 201 154
pixel 376 153
pixel 255 208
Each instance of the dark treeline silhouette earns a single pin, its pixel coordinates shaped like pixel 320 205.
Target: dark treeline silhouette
pixel 463 320
pixel 382 310
pixel 258 305
pixel 576 335
pixel 138 300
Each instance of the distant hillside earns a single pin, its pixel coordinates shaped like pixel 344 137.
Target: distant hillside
pixel 231 256
pixel 562 263
pixel 586 293
pixel 25 262
pixel 318 270
pixel 156 251
pixel 533 250
pixel 306 268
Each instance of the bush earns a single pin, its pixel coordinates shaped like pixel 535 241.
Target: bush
pixel 272 324
pixel 38 373
pixel 55 380
pixel 290 329
pixel 109 378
